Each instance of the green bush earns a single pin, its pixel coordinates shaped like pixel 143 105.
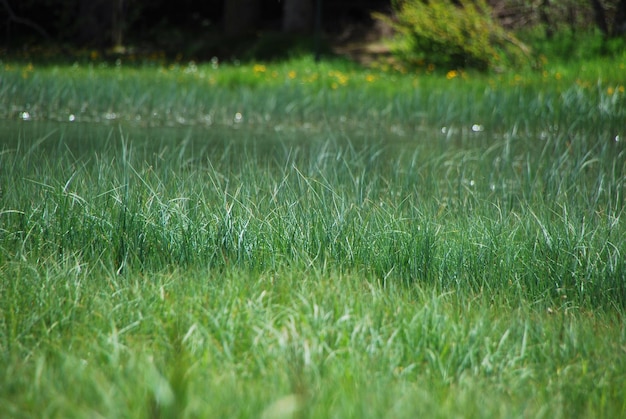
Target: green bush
pixel 569 46
pixel 452 34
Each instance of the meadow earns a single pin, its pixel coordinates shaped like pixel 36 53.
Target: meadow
pixel 305 239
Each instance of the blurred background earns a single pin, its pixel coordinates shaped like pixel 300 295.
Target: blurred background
pixel 265 29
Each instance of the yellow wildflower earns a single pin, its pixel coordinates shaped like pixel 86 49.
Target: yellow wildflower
pixel 451 74
pixel 292 74
pixel 342 79
pixel 259 68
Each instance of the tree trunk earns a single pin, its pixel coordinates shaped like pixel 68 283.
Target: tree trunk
pixel 619 23
pixel 545 19
pixel 240 17
pixel 600 17
pixel 118 24
pixel 298 16
pixel 94 22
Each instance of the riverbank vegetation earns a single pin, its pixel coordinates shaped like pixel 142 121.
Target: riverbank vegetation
pixel 182 239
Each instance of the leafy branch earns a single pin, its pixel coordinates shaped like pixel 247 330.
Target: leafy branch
pixel 22 21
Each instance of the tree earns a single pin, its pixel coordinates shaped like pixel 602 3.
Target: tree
pixel 118 23
pixel 619 23
pixel 93 20
pixel 12 17
pixel 600 17
pixel 614 27
pixel 545 18
pixel 241 17
pixel 298 16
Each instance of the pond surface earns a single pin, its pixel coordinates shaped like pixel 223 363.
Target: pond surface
pixel 81 137
pixel 215 141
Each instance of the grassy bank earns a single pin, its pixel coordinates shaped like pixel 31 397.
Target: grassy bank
pixel 301 90
pixel 311 240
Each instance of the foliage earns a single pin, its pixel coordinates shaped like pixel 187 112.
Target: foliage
pixel 573 47
pixel 452 34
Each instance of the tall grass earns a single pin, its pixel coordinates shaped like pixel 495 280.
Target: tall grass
pixel 201 343
pixel 542 215
pixel 389 251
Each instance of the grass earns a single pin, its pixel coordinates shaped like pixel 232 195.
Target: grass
pixel 213 93
pixel 283 240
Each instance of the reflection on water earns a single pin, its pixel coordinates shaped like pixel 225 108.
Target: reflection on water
pixel 457 165
pixel 189 143
pixel 78 135
pixel 263 140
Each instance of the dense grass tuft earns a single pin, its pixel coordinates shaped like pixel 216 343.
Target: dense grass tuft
pixel 472 212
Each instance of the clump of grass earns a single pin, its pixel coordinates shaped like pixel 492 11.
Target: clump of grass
pixel 540 215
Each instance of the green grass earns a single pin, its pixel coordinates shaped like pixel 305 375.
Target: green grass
pixel 354 243
pixel 191 93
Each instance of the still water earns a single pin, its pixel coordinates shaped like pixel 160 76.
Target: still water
pixel 202 141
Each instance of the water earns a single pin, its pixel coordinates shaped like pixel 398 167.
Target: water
pixel 194 142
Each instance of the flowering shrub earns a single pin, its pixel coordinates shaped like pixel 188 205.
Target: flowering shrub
pixel 452 34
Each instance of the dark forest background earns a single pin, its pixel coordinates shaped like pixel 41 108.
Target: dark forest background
pixel 227 27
